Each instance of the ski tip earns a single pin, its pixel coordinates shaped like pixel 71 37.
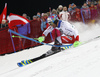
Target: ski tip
pixel 20 65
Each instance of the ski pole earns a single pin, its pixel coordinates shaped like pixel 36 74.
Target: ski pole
pixel 22 37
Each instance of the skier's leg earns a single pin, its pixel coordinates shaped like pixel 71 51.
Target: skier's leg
pixel 69 39
pixel 57 37
pixel 56 49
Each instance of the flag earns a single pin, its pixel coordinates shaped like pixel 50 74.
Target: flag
pixel 4 13
pixel 16 20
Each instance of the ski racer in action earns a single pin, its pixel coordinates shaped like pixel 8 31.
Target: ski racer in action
pixel 62 32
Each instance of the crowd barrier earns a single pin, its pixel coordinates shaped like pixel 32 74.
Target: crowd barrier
pixel 5 41
pixel 85 15
pixel 10 45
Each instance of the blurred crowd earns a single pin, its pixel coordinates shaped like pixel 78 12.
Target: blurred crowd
pixel 70 13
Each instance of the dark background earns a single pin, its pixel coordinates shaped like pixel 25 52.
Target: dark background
pixel 31 7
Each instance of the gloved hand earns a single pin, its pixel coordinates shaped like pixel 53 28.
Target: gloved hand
pixel 41 39
pixel 77 43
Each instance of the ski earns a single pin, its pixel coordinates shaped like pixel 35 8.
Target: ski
pixel 26 62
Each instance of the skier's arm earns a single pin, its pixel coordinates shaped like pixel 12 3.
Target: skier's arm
pixel 47 31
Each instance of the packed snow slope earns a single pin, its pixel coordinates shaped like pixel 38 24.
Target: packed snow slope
pixel 83 61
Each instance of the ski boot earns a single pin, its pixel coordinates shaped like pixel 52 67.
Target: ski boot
pixel 56 49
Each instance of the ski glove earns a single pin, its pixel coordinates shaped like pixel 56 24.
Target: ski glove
pixel 77 43
pixel 41 39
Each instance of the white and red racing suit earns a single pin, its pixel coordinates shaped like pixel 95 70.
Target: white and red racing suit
pixel 64 32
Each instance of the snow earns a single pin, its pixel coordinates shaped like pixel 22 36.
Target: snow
pixel 83 61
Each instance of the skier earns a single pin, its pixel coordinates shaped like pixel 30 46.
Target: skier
pixel 62 31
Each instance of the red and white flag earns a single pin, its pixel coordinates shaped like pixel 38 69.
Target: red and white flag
pixel 16 20
pixel 4 13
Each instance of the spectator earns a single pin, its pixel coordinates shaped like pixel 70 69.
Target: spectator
pixel 43 21
pixel 3 24
pixel 85 6
pixel 45 16
pixel 43 24
pixel 54 11
pixel 72 7
pixel 98 8
pixel 78 14
pixel 28 18
pixel 38 18
pixel 34 17
pixel 64 14
pixel 95 2
pixel 89 3
pixel 7 21
pixel 69 8
pixel 86 13
pixel 48 13
pixel 39 14
pixel 59 9
pixel 72 11
pixel 92 7
pixel 93 10
pixel 24 15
